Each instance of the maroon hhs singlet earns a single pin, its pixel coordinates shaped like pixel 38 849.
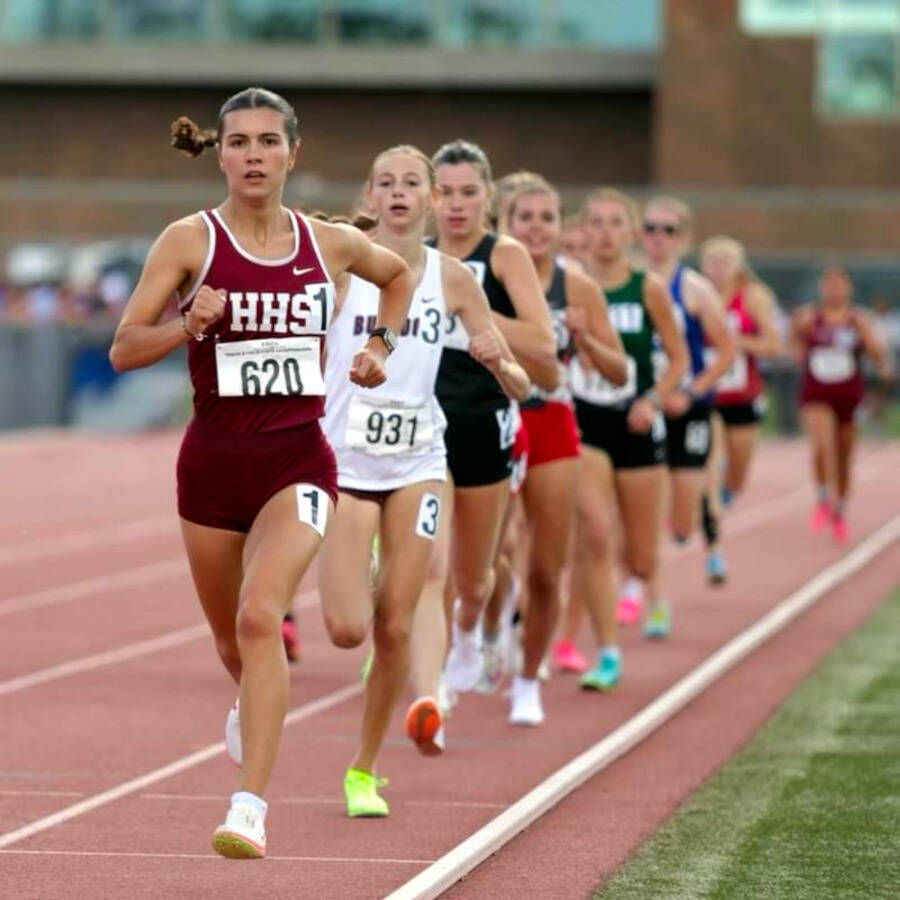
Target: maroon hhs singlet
pixel 258 385
pixel 260 368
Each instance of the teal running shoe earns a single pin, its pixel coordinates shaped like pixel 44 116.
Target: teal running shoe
pixel 716 570
pixel 605 675
pixel 658 623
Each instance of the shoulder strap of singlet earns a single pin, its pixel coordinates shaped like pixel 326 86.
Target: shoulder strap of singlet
pixel 185 297
pixel 675 285
pixel 556 292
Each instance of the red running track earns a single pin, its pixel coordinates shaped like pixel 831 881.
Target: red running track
pixel 106 676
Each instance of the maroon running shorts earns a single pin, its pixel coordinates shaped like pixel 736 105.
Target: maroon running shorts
pixel 225 479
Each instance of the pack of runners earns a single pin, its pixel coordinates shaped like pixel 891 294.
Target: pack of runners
pixel 483 417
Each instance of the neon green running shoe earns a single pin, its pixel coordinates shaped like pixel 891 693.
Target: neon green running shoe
pixel 361 791
pixel 659 622
pixel 366 668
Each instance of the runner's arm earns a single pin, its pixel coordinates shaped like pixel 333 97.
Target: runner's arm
pixel 875 348
pixel 715 330
pixel 175 255
pixel 466 299
pixel 659 308
pixel 761 304
pixel 530 333
pixel 598 340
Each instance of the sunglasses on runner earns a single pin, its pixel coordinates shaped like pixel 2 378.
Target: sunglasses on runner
pixel 665 227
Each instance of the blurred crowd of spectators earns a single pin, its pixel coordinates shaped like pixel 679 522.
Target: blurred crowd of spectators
pixel 75 286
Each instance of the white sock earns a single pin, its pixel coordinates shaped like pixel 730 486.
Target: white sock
pixel 631 586
pixel 249 799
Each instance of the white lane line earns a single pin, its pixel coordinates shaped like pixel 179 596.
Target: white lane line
pixel 99 584
pixel 56 545
pixel 304 711
pixel 463 858
pixel 126 653
pixel 217 859
pixel 319 801
pixel 120 654
pixel 5 793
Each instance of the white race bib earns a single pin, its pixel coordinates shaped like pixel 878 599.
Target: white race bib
pixel 831 365
pixel 735 377
pixel 592 387
pixel 383 427
pixel 286 367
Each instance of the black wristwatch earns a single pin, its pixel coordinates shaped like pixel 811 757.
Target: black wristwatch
pixel 388 338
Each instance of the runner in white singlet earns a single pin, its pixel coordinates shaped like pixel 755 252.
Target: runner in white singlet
pixel 392 467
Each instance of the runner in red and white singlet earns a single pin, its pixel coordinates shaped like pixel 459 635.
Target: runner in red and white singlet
pixel 829 338
pixel 256 476
pixel 581 323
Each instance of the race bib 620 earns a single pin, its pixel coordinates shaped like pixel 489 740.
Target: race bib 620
pixel 286 367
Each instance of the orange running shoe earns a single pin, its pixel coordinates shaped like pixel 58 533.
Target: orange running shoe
pixel 425 727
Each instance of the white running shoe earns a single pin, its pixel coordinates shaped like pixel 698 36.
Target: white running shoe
pixel 242 835
pixel 493 671
pixel 526 706
pixel 233 734
pixel 446 698
pixel 465 661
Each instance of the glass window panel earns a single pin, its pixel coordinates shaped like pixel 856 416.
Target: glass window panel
pixel 154 19
pixel 635 25
pixel 858 74
pixel 274 20
pixel 384 21
pixel 862 15
pixel 39 20
pixel 780 16
pixel 478 23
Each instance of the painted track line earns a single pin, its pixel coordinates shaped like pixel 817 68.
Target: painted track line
pixel 463 858
pixel 90 587
pixel 216 859
pixel 110 657
pixel 57 545
pixel 304 711
pixel 126 653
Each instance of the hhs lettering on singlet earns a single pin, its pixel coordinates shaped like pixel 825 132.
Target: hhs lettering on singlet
pixel 282 312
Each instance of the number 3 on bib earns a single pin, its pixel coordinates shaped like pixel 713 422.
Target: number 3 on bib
pixel 429 516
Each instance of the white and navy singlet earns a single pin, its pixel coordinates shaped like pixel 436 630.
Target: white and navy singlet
pixel 392 435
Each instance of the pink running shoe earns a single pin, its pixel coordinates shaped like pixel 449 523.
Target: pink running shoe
pixel 291 638
pixel 839 529
pixel 566 658
pixel 821 515
pixel 629 609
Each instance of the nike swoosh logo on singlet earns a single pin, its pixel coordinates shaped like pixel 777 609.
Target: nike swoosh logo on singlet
pixel 297 271
pixel 429 299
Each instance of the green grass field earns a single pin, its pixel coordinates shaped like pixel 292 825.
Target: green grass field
pixel 810 808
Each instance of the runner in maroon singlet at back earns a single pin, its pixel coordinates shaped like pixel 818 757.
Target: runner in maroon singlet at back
pixel 256 476
pixel 829 338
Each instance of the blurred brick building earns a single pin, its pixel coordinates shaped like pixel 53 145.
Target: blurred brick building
pixel 698 97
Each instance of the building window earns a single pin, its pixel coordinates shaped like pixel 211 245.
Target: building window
pixel 859 47
pixel 858 74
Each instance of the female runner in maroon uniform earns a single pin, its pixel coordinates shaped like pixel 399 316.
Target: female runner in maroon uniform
pixel 829 337
pixel 256 476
